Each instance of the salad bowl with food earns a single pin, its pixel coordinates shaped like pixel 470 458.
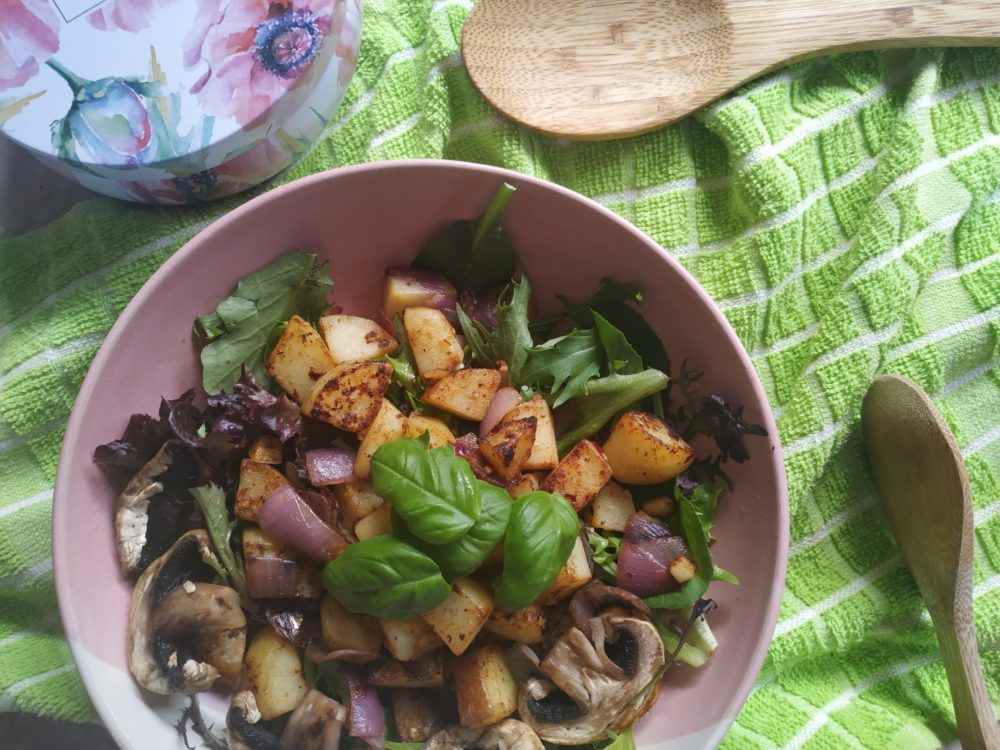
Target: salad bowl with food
pixel 420 455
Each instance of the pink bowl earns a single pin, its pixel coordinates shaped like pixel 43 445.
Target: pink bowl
pixel 363 219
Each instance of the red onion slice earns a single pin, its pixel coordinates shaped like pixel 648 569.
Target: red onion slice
pixel 503 401
pixel 366 720
pixel 646 552
pixel 286 517
pixel 326 466
pixel 271 577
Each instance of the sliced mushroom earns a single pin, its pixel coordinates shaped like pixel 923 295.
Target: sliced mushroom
pixel 596 684
pixel 241 721
pixel 597 597
pixel 315 724
pixel 155 507
pixel 509 734
pixel 173 609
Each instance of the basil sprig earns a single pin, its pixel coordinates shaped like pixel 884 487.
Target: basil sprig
pixel 433 491
pixel 540 536
pixel 385 577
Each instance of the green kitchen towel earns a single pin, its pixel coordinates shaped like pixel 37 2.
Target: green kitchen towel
pixel 845 215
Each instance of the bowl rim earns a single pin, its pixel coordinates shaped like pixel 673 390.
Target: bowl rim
pixel 60 529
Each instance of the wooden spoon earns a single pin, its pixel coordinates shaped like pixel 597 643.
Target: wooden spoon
pixel 592 69
pixel 922 482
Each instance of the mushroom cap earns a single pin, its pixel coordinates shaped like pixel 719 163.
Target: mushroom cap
pixel 594 684
pixel 315 724
pixel 509 734
pixel 170 601
pixel 241 723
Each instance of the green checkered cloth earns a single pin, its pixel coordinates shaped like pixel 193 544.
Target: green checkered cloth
pixel 844 213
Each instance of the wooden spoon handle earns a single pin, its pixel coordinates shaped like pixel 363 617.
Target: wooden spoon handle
pixel 977 725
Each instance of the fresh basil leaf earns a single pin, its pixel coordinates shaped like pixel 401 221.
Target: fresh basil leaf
pixel 621 357
pixel 605 397
pixel 473 254
pixel 243 325
pixel 564 364
pixel 434 491
pixel 541 533
pixel 212 501
pixel 466 554
pixel 385 578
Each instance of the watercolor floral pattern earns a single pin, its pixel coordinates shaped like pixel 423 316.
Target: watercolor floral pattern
pixel 27 39
pixel 125 15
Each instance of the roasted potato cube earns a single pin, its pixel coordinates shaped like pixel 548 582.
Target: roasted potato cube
pixel 350 395
pixel 416 714
pixel 436 348
pixel 580 475
pixel 376 523
pixel 257 481
pixel 416 425
pixel 526 483
pixel 573 575
pixel 423 672
pixel 356 499
pixel 273 672
pixel 459 618
pixel 408 639
pixel 642 449
pixel 388 426
pixel 409 287
pixel 349 337
pixel 465 393
pixel 525 625
pixel 299 359
pixel 683 569
pixel 266 449
pixel 224 650
pixel 611 508
pixel 486 690
pixel 343 629
pixel 507 447
pixel 543 453
pixel 658 507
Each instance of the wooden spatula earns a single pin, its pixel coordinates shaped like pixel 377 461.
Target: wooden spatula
pixel 592 69
pixel 921 479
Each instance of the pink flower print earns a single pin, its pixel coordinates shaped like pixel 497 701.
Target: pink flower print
pixel 28 35
pixel 255 50
pixel 127 15
pixel 346 29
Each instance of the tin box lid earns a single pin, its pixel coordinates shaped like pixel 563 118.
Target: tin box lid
pixel 144 88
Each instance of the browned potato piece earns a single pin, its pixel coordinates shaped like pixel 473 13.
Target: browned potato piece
pixel 299 359
pixel 611 508
pixel 423 672
pixel 525 625
pixel 257 481
pixel 486 690
pixel 349 337
pixel 388 426
pixel 573 575
pixel 356 499
pixel 526 483
pixel 416 425
pixel 350 395
pixel 265 450
pixel 580 475
pixel 256 543
pixel 436 348
pixel 507 447
pixel 642 449
pixel 376 523
pixel 408 639
pixel 465 393
pixel 543 453
pixel 683 569
pixel 273 673
pixel 223 650
pixel 459 618
pixel 416 714
pixel 343 629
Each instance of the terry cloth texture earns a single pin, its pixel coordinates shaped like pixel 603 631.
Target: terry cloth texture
pixel 845 215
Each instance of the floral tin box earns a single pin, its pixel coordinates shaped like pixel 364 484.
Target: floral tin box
pixel 173 101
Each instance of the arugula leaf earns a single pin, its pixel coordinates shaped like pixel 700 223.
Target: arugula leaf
pixel 639 334
pixel 473 254
pixel 404 367
pixel 245 324
pixel 695 515
pixel 541 533
pixel 434 491
pixel 605 397
pixel 511 339
pixel 212 501
pixel 564 364
pixel 466 553
pixel 619 352
pixel 609 291
pixel 622 741
pixel 390 745
pixel 604 550
pixel 385 578
pixel 481 340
